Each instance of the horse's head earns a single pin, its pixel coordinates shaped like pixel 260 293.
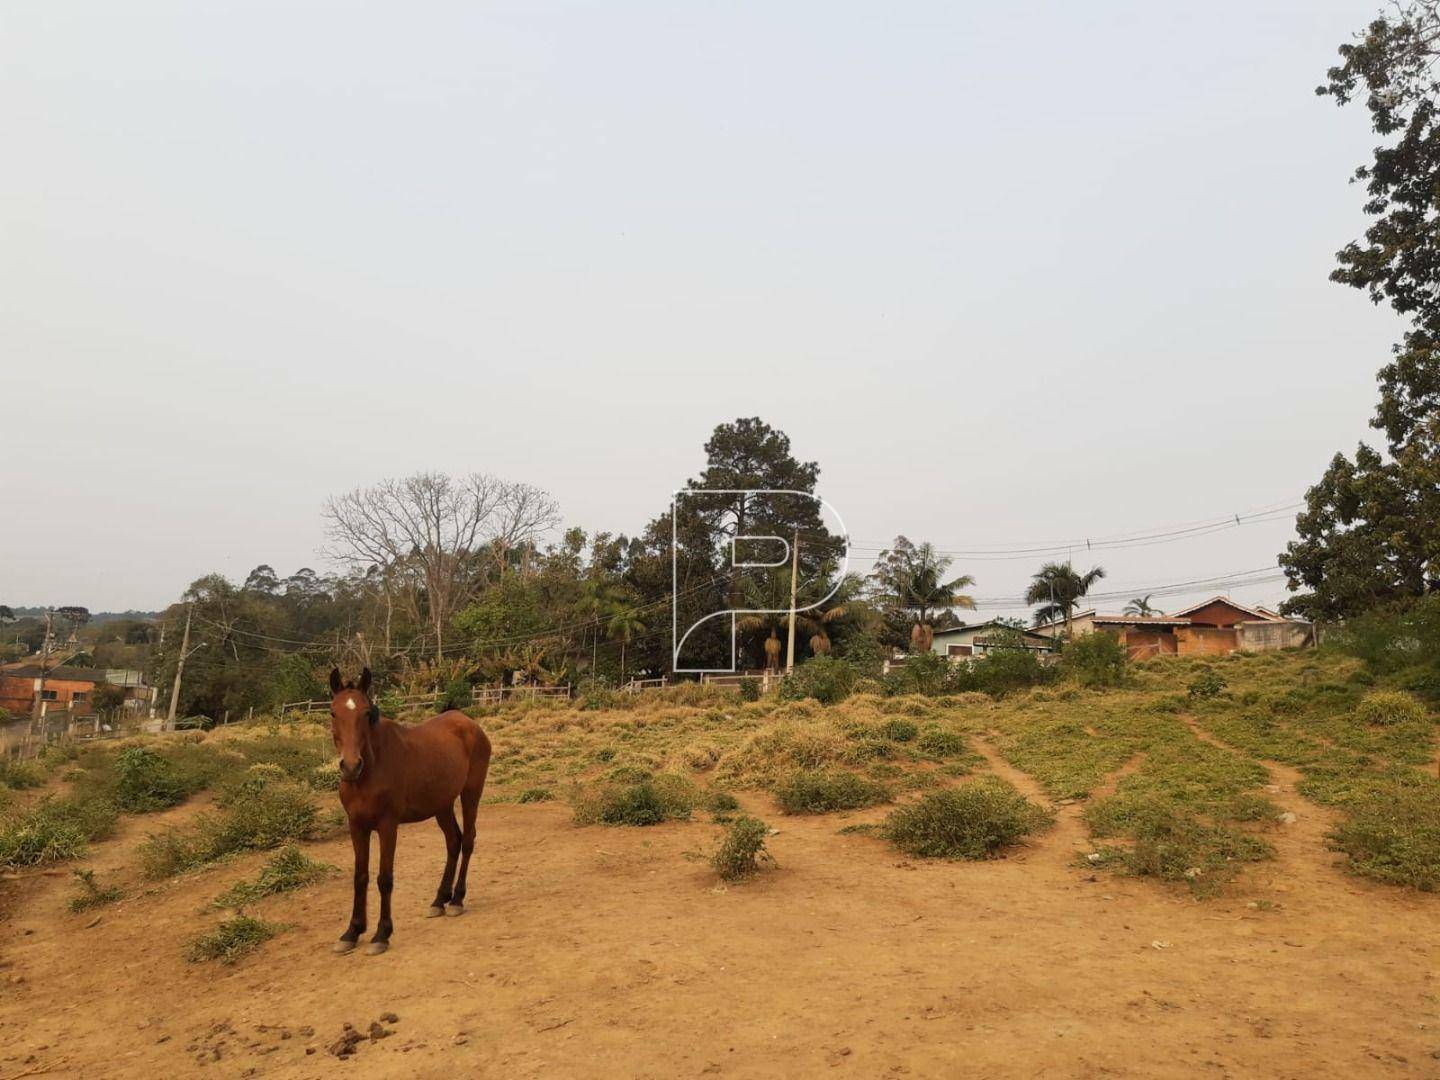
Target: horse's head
pixel 352 715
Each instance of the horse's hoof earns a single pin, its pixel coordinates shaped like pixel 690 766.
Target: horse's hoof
pixel 343 947
pixel 375 948
pixel 455 910
pixel 435 911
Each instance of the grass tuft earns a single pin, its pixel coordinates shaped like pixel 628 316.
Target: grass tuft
pixel 285 871
pixel 974 821
pixel 638 802
pixel 821 792
pixel 232 939
pixel 91 895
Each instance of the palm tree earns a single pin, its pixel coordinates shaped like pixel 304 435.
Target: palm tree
pixel 598 598
pixel 1056 588
pixel 770 594
pixel 1141 606
pixel 623 623
pixel 914 577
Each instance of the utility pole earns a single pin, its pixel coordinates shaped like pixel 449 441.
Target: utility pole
pixel 179 671
pixel 794 578
pixel 37 709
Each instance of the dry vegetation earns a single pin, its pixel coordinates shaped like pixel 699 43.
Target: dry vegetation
pixel 1169 766
pixel 633 812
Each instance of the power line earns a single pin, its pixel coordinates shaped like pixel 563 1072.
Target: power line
pixel 1000 554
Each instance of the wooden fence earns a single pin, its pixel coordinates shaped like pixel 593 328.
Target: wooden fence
pixel 637 686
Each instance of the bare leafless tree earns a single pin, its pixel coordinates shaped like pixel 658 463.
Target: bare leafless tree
pixel 438 525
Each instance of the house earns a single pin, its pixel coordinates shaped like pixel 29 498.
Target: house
pixel 958 642
pixel 1143 635
pixel 66 687
pixel 1212 627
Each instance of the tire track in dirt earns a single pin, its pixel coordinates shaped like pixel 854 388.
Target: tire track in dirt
pixel 1069 836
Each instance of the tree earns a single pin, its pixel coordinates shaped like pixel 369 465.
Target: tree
pixel 1370 533
pixel 1367 535
pixel 446 527
pixel 1141 606
pixel 747 462
pixel 73 616
pixel 107 698
pixel 622 624
pixel 910 580
pixel 262 580
pixel 1393 65
pixel 1057 588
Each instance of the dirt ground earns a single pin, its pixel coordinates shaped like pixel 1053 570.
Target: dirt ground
pixel 606 952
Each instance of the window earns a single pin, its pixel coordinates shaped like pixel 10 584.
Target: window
pixel 79 695
pixel 49 695
pixel 958 650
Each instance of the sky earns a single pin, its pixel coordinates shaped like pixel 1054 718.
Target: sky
pixel 1014 275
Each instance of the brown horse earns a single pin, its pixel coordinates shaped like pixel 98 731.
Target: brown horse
pixel 391 774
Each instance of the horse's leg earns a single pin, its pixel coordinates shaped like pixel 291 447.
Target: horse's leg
pixel 469 802
pixel 386 882
pixel 360 839
pixel 451 828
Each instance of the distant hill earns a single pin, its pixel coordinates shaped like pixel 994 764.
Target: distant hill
pixel 95 616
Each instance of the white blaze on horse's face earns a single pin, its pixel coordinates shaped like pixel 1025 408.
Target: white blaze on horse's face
pixel 348 729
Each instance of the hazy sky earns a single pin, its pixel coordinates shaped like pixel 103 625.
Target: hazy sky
pixel 1010 273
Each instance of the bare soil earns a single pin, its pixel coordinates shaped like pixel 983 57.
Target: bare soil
pixel 606 952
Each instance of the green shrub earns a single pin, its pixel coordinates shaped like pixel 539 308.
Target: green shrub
pixel 640 802
pixel 256 815
pixel 91 895
pixel 534 795
pixel 812 792
pixel 21 775
pixel 825 678
pixel 1208 684
pixel 456 695
pixel 1393 835
pixel 939 743
pixel 1389 707
pixel 250 784
pixel 279 812
pixel 54 829
pixel 146 781
pixel 921 673
pixel 1095 660
pixel 741 849
pixel 721 804
pixel 295 755
pixel 898 730
pixel 1007 667
pixel 232 939
pixel 973 821
pixel 1400 638
pixel 285 871
pixel 326 777
pixel 749 688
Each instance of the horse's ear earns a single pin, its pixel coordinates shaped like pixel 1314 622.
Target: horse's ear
pixel 335 684
pixel 365 682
